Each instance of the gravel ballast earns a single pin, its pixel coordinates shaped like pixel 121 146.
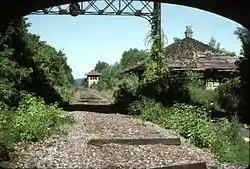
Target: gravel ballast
pixel 72 151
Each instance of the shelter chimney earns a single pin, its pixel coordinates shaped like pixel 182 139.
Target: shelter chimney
pixel 189 32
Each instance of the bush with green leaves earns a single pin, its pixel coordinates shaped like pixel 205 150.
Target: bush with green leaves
pixel 147 109
pixel 243 63
pixel 126 92
pixel 31 65
pixel 67 93
pixel 193 123
pixel 5 137
pixel 33 120
pixel 223 101
pixel 194 79
pixel 111 75
pixel 168 88
pixel 228 95
pixel 207 99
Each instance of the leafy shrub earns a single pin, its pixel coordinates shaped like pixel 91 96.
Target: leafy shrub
pixel 3 106
pixel 207 99
pixel 111 76
pixel 228 94
pixel 5 137
pixel 34 120
pixel 147 109
pixel 67 93
pixel 243 63
pixel 29 64
pixel 126 92
pixel 229 147
pixel 194 79
pixel 223 101
pixel 167 89
pixel 193 123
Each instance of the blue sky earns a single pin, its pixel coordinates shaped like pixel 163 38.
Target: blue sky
pixel 87 39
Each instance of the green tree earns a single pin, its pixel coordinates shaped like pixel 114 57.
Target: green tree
pixel 32 74
pixel 194 79
pixel 111 76
pixel 33 65
pixel 100 65
pixel 132 56
pixel 216 45
pixel 212 42
pixel 228 96
pixel 16 62
pixel 176 40
pixel 244 67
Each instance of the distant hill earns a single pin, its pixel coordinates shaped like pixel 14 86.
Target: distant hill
pixel 78 81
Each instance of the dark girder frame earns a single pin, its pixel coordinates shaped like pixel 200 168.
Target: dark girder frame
pixel 117 7
pixel 151 11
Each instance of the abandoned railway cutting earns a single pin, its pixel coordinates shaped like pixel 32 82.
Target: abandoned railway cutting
pixel 178 104
pixel 112 141
pixel 102 140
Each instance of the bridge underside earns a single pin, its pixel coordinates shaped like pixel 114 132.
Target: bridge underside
pixel 237 11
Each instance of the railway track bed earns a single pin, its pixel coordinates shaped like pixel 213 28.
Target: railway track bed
pixel 85 97
pixel 75 149
pixel 114 141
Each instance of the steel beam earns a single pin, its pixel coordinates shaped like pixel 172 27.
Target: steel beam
pixel 144 9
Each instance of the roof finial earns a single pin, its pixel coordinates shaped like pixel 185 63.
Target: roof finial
pixel 189 32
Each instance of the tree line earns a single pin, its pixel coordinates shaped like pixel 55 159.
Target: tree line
pixel 35 81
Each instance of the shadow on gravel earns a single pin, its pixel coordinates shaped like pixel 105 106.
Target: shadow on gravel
pixel 184 166
pixel 109 108
pixel 137 141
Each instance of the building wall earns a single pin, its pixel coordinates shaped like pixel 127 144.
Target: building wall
pixel 92 80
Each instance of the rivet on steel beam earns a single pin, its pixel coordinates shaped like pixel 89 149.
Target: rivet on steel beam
pixel 137 13
pixel 62 11
pixel 83 11
pixel 100 12
pixel 119 12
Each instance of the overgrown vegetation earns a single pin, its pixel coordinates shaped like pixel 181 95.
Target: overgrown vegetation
pixel 179 100
pixel 33 120
pixel 35 81
pixel 244 67
pixel 194 123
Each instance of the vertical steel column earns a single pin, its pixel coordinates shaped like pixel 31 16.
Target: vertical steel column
pixel 156 29
pixel 157 18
